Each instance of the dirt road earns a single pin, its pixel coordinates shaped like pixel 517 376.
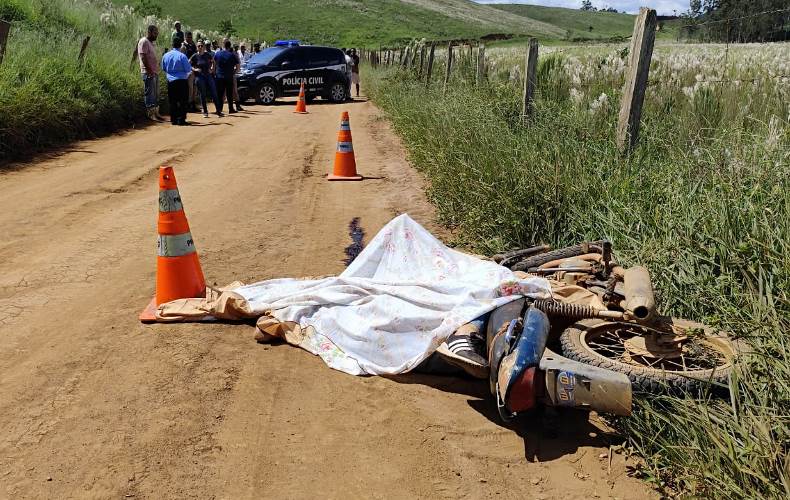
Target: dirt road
pixel 95 405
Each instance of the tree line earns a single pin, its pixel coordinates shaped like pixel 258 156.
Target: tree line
pixel 737 21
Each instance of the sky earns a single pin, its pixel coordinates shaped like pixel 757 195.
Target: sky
pixel 663 7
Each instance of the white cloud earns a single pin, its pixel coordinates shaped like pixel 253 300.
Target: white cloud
pixel 663 7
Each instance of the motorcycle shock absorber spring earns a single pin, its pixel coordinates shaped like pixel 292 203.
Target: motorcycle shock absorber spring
pixel 576 311
pixel 570 311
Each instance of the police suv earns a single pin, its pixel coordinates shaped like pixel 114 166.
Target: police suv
pixel 279 71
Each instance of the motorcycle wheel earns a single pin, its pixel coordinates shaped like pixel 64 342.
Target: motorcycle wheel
pixel 561 253
pixel 674 356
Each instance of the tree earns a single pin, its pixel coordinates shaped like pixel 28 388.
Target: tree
pixel 739 20
pixel 588 6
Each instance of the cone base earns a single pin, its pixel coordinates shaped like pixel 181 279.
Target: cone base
pixel 149 313
pixel 302 112
pixel 344 178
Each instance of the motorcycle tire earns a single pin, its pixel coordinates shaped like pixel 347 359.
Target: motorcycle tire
pixel 593 342
pixel 560 253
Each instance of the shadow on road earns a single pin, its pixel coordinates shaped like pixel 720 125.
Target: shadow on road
pixel 548 433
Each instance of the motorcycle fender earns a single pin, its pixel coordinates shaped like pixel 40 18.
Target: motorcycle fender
pixel 577 385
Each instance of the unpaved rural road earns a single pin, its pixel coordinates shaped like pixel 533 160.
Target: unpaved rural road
pixel 94 404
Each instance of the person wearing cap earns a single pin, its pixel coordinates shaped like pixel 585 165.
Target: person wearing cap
pixel 177 67
pixel 149 68
pixel 256 48
pixel 178 34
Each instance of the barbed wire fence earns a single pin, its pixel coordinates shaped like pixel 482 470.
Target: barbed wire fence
pixel 633 91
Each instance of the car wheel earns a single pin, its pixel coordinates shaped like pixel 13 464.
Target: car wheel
pixel 266 94
pixel 337 92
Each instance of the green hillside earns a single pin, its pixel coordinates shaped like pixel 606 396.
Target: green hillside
pixel 576 23
pixel 354 22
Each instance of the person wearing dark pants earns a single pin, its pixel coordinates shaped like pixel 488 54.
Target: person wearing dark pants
pixel 225 89
pixel 203 66
pixel 178 95
pixel 177 67
pixel 226 63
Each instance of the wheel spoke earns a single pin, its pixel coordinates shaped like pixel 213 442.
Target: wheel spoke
pixel 610 342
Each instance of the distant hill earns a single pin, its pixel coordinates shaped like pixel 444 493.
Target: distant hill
pixel 356 22
pixel 575 23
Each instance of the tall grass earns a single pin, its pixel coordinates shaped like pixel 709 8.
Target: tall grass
pixel 46 97
pixel 703 202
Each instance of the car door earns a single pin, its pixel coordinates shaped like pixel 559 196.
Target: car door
pixel 319 60
pixel 294 70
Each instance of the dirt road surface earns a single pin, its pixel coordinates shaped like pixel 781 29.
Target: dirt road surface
pixel 94 404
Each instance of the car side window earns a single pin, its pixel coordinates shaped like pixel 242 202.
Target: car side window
pixel 297 58
pixel 281 58
pixel 337 57
pixel 319 57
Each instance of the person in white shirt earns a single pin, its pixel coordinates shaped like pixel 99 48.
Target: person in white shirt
pixel 244 56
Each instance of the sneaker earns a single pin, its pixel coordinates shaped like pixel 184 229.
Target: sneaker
pixel 220 114
pixel 239 108
pixel 205 115
pixel 232 111
pixel 465 349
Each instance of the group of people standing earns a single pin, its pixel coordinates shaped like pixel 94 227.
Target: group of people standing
pixel 203 65
pixel 189 65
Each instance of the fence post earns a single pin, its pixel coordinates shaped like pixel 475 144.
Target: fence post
pixel 449 65
pixel 422 61
pixel 481 63
pixel 5 28
pixel 636 79
pixel 529 78
pixel 429 70
pixel 83 48
pixel 406 56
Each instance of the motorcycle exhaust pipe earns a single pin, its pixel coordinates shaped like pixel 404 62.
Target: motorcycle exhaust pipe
pixel 572 384
pixel 640 302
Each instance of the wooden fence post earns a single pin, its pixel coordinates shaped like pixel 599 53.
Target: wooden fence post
pixel 422 62
pixel 481 63
pixel 636 79
pixel 429 69
pixel 5 28
pixel 529 78
pixel 83 48
pixel 449 65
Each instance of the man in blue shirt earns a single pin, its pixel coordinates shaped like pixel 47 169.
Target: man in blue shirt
pixel 226 64
pixel 177 67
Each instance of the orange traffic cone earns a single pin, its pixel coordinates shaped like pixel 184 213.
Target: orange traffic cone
pixel 178 272
pixel 345 164
pixel 301 107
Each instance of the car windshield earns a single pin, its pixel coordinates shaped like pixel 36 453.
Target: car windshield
pixel 266 55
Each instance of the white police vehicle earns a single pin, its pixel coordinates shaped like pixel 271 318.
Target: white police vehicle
pixel 279 71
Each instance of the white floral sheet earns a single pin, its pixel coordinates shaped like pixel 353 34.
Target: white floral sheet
pixel 395 304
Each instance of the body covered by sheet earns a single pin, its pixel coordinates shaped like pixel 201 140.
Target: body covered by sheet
pixel 394 305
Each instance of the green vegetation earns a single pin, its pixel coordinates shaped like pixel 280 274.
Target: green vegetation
pixel 367 23
pixel 46 97
pixel 577 23
pixel 703 202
